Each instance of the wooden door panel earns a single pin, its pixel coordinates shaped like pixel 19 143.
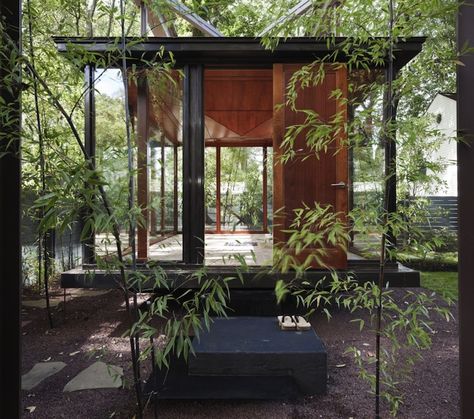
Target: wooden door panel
pixel 307 178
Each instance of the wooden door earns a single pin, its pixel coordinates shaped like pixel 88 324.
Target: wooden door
pixel 309 178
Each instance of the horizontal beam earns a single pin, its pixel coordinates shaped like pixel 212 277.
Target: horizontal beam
pixel 240 142
pixel 224 52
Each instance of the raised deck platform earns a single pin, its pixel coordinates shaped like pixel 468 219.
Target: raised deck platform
pixel 247 358
pixel 254 277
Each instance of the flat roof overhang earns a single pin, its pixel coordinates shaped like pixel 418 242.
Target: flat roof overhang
pixel 225 52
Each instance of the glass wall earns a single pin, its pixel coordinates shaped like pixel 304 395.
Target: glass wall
pixel 268 152
pixel 112 152
pixel 210 160
pixel 165 167
pixel 165 179
pixel 238 189
pixel 241 189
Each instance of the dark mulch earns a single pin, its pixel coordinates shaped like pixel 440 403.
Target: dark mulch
pixel 95 325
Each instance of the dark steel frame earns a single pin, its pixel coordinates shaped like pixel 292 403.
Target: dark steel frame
pixel 10 210
pixel 193 164
pixel 88 244
pixel 193 54
pixel 465 125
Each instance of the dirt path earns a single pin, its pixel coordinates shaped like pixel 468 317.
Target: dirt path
pixel 91 329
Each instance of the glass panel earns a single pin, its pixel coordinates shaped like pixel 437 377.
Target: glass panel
pixel 269 188
pixel 111 152
pixel 210 188
pixel 155 187
pixel 166 168
pixel 241 189
pixel 169 201
pixel 162 187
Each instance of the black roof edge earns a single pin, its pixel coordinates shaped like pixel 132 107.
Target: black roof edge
pixel 233 50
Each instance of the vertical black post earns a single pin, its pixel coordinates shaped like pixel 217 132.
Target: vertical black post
pixel 390 117
pixel 218 189
pixel 351 171
pixel 10 177
pixel 175 188
pixel 88 245
pixel 193 164
pixel 143 19
pixel 143 131
pixel 162 185
pixel 465 124
pixel 265 189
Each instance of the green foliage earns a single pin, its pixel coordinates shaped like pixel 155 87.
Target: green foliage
pixel 405 325
pixel 403 329
pixel 313 231
pixel 185 313
pixel 443 283
pixel 74 185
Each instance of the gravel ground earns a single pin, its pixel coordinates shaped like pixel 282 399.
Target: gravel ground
pixel 91 328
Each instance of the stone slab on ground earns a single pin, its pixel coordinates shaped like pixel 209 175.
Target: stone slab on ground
pixel 98 375
pixel 53 302
pixel 84 292
pixel 40 372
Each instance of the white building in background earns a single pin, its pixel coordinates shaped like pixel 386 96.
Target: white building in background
pixel 443 108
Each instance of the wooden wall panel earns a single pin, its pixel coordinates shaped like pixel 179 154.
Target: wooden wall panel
pixel 307 179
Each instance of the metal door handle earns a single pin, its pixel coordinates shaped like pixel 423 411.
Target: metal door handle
pixel 339 185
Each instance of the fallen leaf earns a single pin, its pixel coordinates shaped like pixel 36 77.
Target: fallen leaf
pixel 31 409
pixel 366 344
pixel 340 365
pixel 74 353
pixel 47 359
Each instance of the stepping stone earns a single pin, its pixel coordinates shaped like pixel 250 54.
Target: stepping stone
pixel 98 375
pixel 40 372
pixel 82 292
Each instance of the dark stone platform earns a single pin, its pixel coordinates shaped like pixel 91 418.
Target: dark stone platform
pixel 247 358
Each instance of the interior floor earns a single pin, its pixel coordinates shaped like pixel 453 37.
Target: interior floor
pixel 225 249
pixel 221 249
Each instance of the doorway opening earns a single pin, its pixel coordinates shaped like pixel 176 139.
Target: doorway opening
pixel 238 109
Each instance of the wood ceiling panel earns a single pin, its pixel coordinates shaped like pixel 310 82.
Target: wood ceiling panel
pixel 240 100
pixel 240 122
